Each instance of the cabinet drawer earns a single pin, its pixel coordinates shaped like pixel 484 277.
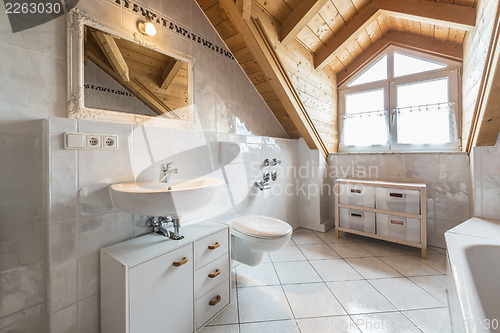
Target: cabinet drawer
pixel 211 303
pixel 210 248
pixel 357 220
pixel 210 275
pixel 406 201
pixel 356 194
pixel 404 228
pixel 154 284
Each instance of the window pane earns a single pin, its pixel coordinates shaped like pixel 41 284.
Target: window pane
pixel 424 114
pixel 377 72
pixel 405 65
pixel 423 93
pixel 365 119
pixel 365 101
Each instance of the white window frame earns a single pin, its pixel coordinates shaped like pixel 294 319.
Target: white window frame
pixel 452 71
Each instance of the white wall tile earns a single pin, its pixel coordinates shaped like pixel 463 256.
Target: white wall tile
pixel 20 200
pixel 97 169
pixel 29 320
pixel 64 321
pixel 22 266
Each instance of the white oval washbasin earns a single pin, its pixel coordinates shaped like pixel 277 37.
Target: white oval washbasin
pixel 163 199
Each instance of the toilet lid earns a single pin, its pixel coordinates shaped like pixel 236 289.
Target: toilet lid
pixel 261 226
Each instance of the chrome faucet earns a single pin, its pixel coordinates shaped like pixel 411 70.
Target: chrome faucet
pixel 160 223
pixel 167 172
pixel 264 183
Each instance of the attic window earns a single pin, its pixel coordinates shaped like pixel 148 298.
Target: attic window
pixel 401 101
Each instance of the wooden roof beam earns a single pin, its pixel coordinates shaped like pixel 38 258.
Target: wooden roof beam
pixel 299 18
pixel 444 14
pixel 170 72
pixel 432 46
pixel 108 46
pixel 456 16
pixel 345 36
pixel 257 42
pixel 245 7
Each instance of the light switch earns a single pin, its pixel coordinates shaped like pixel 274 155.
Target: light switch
pixel 74 140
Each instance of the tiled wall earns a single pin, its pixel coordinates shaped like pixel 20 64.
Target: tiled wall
pixel 23 264
pixel 446 176
pixel 485 170
pixel 33 87
pixel 83 219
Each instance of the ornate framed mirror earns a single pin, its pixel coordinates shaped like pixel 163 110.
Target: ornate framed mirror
pixel 126 77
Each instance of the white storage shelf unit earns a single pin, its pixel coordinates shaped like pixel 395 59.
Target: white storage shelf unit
pixel 155 284
pixel 391 211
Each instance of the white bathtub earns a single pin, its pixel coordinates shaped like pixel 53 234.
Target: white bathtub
pixel 474 270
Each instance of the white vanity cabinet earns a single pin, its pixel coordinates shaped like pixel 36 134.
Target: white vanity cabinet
pixel 392 211
pixel 155 284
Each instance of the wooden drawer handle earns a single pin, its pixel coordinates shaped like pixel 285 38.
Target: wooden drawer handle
pixel 181 262
pixel 214 274
pixel 213 247
pixel 214 301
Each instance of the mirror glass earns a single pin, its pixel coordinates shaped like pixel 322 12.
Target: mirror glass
pixel 120 75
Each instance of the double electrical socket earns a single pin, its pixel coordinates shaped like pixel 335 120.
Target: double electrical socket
pixel 90 141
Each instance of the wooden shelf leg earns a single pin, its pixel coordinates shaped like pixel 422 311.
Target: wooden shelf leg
pixel 337 233
pixel 424 254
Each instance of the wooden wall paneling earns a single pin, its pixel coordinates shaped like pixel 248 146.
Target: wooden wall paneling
pixel 215 14
pixel 427 29
pixel 441 33
pixel 299 18
pixel 235 43
pixel 332 17
pixel 225 29
pixel 277 8
pixel 373 31
pixel 243 55
pixel 205 4
pixel 346 9
pixel 485 120
pixel 319 27
pixel 309 39
pixel 383 23
pixel 345 36
pixel 364 41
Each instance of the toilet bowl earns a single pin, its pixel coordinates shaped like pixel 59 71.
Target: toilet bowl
pixel 253 235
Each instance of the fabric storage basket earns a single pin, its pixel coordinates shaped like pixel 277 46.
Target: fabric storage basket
pixel 356 195
pixel 406 201
pixel 404 228
pixel 357 220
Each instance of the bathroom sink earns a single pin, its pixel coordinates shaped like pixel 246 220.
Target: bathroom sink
pixel 164 199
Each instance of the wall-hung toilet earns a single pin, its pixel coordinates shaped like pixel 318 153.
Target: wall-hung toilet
pixel 253 235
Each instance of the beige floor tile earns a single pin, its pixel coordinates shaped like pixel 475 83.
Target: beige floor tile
pixel 337 324
pixel 372 268
pixel 431 320
pixel 404 294
pixel 312 300
pixel 318 252
pixel 360 297
pixel 335 270
pixel 409 266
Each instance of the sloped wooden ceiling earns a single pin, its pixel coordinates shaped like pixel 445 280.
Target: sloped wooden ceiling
pixel 317 44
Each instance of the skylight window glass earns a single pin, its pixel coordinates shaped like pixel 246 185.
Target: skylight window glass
pixel 364 123
pixel 424 113
pixel 406 65
pixel 377 72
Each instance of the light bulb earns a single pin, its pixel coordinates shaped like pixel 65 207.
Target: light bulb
pixel 147 28
pixel 150 28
